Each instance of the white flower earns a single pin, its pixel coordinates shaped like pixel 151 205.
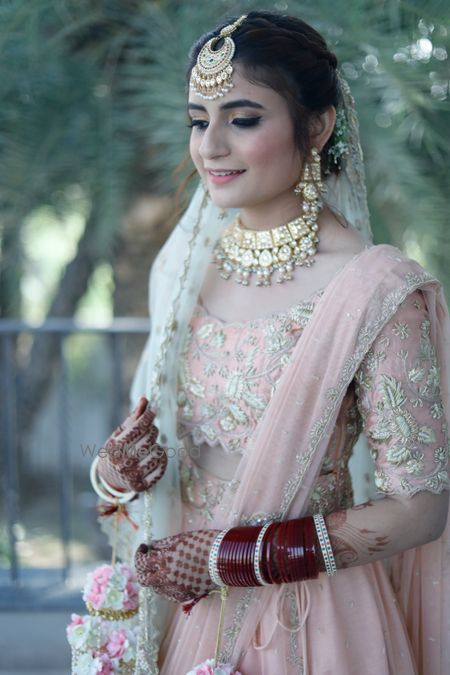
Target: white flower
pixel 86 664
pixel 114 598
pixel 85 635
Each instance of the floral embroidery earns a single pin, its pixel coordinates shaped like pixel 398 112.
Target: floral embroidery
pixel 401 410
pixel 230 371
pixel 201 494
pixel 235 404
pixel 401 330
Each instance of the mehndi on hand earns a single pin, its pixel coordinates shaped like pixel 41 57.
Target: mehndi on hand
pixel 177 566
pixel 131 459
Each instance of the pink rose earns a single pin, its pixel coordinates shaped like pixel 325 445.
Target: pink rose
pixel 97 583
pixel 106 665
pixel 204 669
pixel 117 643
pixel 132 600
pixel 207 668
pixel 96 598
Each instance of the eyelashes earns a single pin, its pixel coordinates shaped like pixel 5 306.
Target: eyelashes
pixel 246 121
pixel 237 122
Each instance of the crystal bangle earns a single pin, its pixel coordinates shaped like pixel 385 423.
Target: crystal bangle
pixel 213 555
pixel 257 558
pixel 325 544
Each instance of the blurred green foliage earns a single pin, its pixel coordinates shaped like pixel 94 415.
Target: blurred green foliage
pixel 93 100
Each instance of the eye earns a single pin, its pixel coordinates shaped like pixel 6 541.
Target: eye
pixel 198 124
pixel 246 121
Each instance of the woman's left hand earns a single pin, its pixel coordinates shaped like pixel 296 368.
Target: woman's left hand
pixel 177 566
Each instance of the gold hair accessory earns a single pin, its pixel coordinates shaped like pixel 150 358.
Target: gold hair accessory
pixel 282 248
pixel 211 75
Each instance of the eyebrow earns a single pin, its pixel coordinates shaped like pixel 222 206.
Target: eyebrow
pixel 240 103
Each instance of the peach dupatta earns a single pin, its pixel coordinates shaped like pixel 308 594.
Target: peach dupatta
pixel 276 475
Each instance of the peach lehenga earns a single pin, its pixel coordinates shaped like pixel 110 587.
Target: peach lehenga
pixel 291 400
pixel 289 394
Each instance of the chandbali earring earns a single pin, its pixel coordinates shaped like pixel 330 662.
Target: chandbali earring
pixel 310 187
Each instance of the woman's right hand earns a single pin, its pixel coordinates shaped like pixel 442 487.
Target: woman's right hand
pixel 131 459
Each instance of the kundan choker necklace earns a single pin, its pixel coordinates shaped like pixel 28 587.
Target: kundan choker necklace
pixel 246 252
pixel 280 249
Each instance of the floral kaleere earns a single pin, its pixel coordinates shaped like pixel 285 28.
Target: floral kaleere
pixel 112 592
pixel 103 642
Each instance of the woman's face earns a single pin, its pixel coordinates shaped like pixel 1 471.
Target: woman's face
pixel 242 145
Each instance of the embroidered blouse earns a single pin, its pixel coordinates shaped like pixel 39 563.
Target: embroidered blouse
pixel 229 371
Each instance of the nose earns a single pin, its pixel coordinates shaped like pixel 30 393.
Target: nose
pixel 214 143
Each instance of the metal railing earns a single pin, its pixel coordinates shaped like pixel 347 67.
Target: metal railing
pixel 19 587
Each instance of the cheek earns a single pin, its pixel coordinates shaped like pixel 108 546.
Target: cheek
pixel 273 151
pixel 194 144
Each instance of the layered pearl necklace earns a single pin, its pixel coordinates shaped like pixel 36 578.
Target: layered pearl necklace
pixel 246 252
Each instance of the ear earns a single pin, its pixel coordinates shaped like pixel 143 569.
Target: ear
pixel 322 127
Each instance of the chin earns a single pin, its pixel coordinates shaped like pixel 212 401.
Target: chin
pixel 223 202
pixel 227 201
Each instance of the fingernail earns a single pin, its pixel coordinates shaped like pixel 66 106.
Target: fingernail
pixel 143 548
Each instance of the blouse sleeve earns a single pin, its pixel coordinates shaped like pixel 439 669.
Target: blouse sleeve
pixel 398 397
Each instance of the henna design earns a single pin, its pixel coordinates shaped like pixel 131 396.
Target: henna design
pixel 351 544
pixel 177 566
pixel 132 459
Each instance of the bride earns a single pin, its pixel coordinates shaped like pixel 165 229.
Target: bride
pixel 261 390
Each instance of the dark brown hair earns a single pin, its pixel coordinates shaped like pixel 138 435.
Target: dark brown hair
pixel 289 56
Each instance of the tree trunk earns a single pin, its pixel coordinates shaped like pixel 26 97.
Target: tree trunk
pixel 37 375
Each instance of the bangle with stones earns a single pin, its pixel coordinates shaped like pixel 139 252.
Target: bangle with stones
pixel 309 542
pixel 325 544
pixel 213 554
pixel 257 556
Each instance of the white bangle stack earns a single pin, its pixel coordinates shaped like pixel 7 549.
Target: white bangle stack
pixel 257 558
pixel 325 544
pixel 213 555
pixel 112 496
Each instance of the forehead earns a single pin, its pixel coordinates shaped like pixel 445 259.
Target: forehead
pixel 242 89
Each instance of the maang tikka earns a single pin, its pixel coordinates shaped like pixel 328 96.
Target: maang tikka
pixel 211 75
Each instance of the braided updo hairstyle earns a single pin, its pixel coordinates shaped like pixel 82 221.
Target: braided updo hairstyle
pixel 292 58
